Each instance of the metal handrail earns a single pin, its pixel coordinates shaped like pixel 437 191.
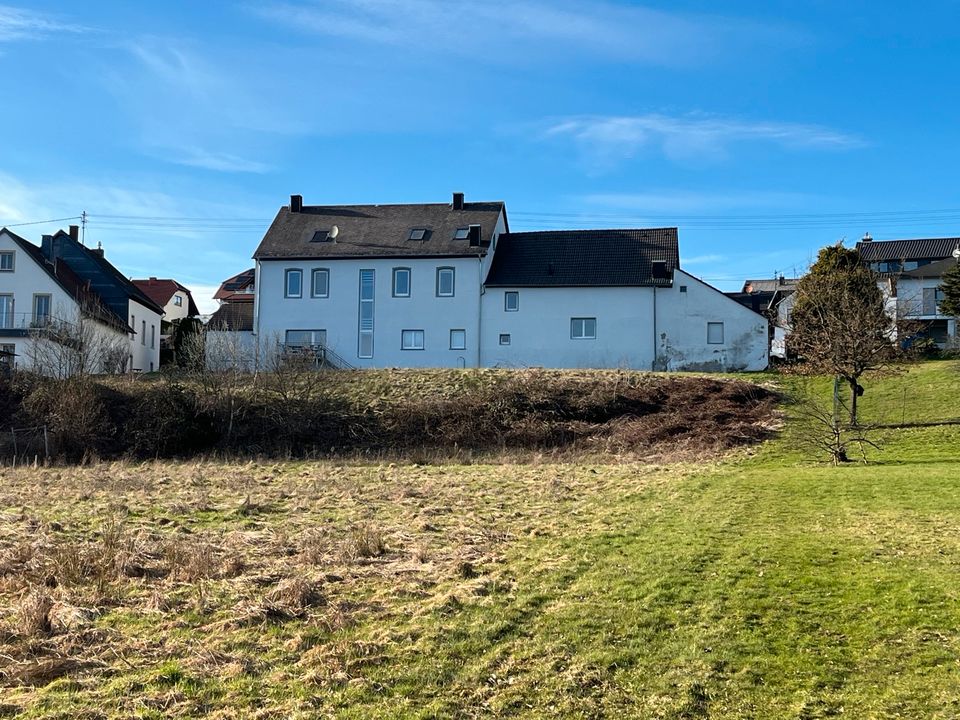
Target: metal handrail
pixel 322 356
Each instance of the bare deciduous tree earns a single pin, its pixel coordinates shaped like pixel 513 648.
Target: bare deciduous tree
pixel 78 344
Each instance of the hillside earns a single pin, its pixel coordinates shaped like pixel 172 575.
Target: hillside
pixel 761 585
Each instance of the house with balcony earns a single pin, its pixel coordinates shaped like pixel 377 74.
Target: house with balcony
pixel 448 285
pixel 910 273
pixel 64 307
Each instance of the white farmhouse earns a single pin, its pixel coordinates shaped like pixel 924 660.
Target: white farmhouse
pixel 447 285
pixel 377 285
pixel 63 295
pixel 611 299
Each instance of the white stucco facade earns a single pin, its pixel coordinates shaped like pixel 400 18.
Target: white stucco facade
pixel 145 342
pixel 632 327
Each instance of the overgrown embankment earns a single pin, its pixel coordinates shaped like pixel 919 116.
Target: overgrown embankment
pixel 410 413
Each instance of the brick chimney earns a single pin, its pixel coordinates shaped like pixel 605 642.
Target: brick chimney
pixel 458 201
pixel 75 233
pixel 296 203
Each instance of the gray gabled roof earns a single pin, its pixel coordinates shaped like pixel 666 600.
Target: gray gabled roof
pixel 931 270
pixel 583 258
pixel 781 284
pixel 232 316
pixel 377 231
pixel 919 249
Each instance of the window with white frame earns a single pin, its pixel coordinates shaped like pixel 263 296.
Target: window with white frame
pixel 511 301
pixel 583 328
pixel 305 338
pixel 320 283
pixel 401 282
pixel 458 339
pixel 41 310
pixel 411 339
pixel 715 333
pixel 6 312
pixel 6 261
pixel 178 300
pixel 293 283
pixel 445 282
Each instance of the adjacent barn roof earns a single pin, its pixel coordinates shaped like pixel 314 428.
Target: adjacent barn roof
pixel 160 290
pixel 923 249
pixel 237 288
pixel 572 258
pixel 379 231
pixel 232 316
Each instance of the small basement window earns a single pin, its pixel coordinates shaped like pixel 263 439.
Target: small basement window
pixel 418 234
pixel 504 338
pixel 461 233
pixel 683 288
pixel 715 333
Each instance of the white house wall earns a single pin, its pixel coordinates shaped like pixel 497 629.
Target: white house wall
pixel 626 335
pixel 338 314
pixel 145 342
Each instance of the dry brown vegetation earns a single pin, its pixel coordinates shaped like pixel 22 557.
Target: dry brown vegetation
pixel 400 414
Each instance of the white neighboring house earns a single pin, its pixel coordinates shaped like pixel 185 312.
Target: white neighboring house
pixel 93 297
pixel 910 275
pixel 376 285
pixel 46 308
pixel 611 299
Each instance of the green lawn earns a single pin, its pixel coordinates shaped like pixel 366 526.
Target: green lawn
pixel 761 586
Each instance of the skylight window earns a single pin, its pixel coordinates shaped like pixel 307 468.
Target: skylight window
pixel 461 233
pixel 418 234
pixel 321 236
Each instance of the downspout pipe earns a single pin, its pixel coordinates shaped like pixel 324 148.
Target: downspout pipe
pixel 653 363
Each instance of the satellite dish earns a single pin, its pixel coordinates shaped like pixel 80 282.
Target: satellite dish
pixel 956 252
pixel 334 231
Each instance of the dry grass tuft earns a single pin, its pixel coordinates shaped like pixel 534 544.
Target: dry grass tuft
pixel 365 541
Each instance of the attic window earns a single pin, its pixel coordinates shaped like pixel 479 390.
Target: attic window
pixel 321 236
pixel 418 234
pixel 462 233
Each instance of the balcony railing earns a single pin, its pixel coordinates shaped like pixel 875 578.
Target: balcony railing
pixel 319 356
pixel 23 324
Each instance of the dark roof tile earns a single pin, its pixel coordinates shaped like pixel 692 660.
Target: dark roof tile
pixel 583 258
pixel 920 249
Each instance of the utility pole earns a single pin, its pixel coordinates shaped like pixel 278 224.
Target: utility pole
pixel 83 227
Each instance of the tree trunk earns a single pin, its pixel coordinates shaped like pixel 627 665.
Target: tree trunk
pixel 853 401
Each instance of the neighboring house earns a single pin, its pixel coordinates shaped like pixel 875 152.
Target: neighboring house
pixel 377 285
pixel 176 301
pixel 239 288
pixel 447 285
pixel 910 275
pixel 228 338
pixel 54 319
pixel 772 298
pixel 611 298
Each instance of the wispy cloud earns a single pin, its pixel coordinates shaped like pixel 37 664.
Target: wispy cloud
pixel 609 139
pixel 22 24
pixel 495 30
pixel 222 162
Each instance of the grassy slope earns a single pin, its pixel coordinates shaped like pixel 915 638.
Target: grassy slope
pixel 763 586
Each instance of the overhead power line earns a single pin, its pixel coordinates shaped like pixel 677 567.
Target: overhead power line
pixel 39 222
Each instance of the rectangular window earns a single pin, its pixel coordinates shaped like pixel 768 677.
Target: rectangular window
pixel 401 282
pixel 320 285
pixel 583 328
pixel 133 324
pixel 511 301
pixel 411 340
pixel 458 339
pixel 41 310
pixel 143 333
pixel 504 338
pixel 177 300
pixel 306 338
pixel 6 261
pixel 715 333
pixel 367 286
pixel 461 233
pixel 683 288
pixel 6 312
pixel 293 284
pixel 445 282
pixel 153 336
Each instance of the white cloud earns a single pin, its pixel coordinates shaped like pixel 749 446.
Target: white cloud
pixel 22 24
pixel 497 30
pixel 609 139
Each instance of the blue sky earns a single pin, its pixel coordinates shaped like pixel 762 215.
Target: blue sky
pixel 764 130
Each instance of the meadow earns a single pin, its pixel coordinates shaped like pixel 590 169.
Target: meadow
pixel 753 582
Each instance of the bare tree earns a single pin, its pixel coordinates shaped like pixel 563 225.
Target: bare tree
pixel 83 342
pixel 840 323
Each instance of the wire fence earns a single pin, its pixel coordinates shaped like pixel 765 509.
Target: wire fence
pixel 24 446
